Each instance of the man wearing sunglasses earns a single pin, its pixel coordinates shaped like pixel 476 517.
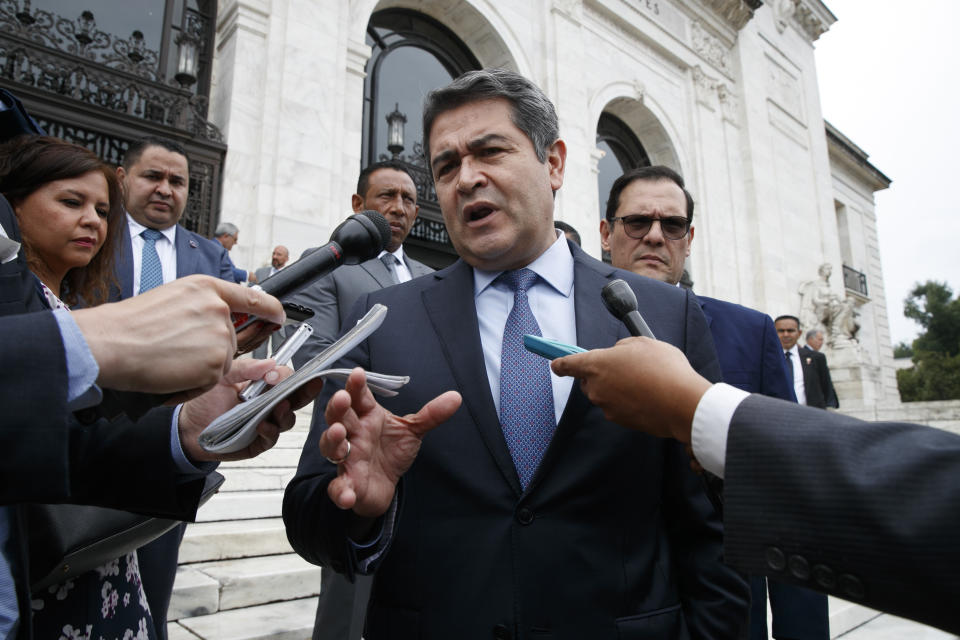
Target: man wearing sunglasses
pixel 648 230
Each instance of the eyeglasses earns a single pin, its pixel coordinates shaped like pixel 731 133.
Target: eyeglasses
pixel 672 227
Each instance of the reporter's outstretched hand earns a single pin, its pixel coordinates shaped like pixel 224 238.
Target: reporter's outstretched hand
pixel 640 383
pixel 174 338
pixel 382 445
pixel 196 414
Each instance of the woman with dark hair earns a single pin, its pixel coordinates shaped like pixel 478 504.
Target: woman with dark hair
pixel 69 209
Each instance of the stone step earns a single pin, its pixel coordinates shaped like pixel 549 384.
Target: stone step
pixel 276 457
pixel 291 620
pixel 212 541
pixel 242 505
pixel 208 587
pixel 256 479
pixel 846 616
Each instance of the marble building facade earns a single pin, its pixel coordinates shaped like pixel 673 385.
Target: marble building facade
pixel 725 91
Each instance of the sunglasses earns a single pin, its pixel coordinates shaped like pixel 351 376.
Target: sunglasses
pixel 672 227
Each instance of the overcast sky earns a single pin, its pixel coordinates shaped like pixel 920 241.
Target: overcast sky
pixel 889 74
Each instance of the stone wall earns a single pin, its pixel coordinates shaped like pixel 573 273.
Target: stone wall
pixel 942 414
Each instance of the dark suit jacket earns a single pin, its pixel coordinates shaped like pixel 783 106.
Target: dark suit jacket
pixel 750 354
pixel 613 537
pixel 195 255
pixel 332 298
pixel 816 379
pixel 865 511
pixel 52 455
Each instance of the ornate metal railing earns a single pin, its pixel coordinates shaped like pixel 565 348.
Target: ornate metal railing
pixel 74 60
pixel 855 280
pixel 429 226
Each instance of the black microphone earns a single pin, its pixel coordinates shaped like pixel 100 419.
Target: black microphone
pixel 360 237
pixel 620 301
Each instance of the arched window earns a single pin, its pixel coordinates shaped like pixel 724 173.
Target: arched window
pixel 412 54
pixel 623 151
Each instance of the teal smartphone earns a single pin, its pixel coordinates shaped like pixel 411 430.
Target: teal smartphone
pixel 549 348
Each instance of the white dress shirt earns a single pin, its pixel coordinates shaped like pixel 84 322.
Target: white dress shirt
pixel 798 386
pixel 552 303
pixel 166 250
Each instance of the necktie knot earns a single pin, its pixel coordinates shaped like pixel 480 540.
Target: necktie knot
pixel 390 261
pixel 151 235
pixel 519 280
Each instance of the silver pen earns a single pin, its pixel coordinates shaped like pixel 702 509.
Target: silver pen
pixel 282 356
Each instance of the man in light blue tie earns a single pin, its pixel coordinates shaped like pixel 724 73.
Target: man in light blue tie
pixel 525 513
pixel 155 175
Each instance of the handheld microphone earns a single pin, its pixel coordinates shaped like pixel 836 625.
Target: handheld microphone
pixel 621 302
pixel 358 238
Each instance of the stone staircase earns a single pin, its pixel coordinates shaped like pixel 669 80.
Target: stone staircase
pixel 238 578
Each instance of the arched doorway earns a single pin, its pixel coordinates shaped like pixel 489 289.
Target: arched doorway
pixel 411 55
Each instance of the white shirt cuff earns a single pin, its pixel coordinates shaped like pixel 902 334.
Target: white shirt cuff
pixel 711 424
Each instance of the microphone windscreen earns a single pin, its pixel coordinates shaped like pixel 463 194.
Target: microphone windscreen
pixel 618 298
pixel 383 227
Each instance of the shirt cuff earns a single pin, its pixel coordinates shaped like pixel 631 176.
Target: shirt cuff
pixel 180 459
pixel 82 368
pixel 370 552
pixel 711 424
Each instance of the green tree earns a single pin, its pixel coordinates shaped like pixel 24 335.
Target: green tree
pixel 935 374
pixel 902 350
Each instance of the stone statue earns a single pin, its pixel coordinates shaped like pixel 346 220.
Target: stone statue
pixel 821 308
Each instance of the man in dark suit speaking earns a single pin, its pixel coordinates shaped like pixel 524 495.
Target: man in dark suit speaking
pixel 527 514
pixel 865 511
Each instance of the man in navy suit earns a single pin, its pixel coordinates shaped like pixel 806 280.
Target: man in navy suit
pixel 810 373
pixel 526 514
pixel 648 230
pixel 156 182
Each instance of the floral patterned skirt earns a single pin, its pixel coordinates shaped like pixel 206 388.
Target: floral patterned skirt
pixel 107 603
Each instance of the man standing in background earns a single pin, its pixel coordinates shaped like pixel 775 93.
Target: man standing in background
pixel 388 188
pixel 648 230
pixel 808 368
pixel 155 175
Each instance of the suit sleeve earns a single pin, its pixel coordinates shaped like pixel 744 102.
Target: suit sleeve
pixel 321 296
pixel 316 528
pixel 869 512
pixel 775 380
pixel 226 268
pixel 51 455
pixel 715 597
pixel 826 383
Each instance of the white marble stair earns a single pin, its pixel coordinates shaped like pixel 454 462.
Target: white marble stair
pixel 238 578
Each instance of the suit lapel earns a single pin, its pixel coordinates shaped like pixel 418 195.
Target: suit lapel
pixel 125 265
pixel 378 271
pixel 417 269
pixel 705 307
pixel 188 253
pixel 452 311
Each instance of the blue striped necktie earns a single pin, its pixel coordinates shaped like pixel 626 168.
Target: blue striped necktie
pixel 526 392
pixel 151 273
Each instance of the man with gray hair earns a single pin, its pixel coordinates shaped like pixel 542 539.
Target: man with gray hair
pixel 228 235
pixel 815 339
pixel 528 514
